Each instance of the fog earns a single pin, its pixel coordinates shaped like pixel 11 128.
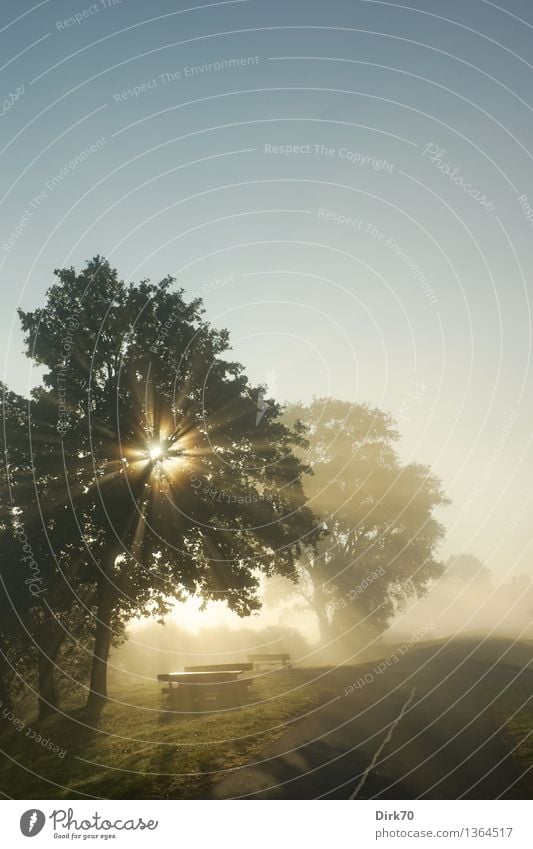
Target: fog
pixel 481 605
pixel 155 648
pixel 467 601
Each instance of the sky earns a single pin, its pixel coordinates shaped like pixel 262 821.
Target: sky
pixel 348 186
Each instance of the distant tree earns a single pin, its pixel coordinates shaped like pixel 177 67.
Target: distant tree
pixel 379 514
pixel 514 606
pixel 171 483
pixel 466 568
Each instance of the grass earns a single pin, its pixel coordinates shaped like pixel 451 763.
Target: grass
pixel 513 710
pixel 520 730
pixel 141 750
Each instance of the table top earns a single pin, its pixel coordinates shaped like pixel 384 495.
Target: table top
pixel 221 667
pixel 200 677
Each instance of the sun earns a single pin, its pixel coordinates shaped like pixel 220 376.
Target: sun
pixel 155 451
pixel 163 455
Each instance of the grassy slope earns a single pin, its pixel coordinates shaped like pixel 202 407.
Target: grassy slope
pixel 514 709
pixel 512 706
pixel 140 751
pixel 520 734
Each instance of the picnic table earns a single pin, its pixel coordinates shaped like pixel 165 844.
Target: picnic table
pixel 197 690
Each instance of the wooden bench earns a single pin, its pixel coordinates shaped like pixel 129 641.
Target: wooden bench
pixel 198 690
pixel 221 667
pixel 268 660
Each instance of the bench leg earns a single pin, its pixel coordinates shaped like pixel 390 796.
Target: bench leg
pixel 231 694
pixel 226 696
pixel 185 698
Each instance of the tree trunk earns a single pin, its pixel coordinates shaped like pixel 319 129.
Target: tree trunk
pixel 319 604
pixel 48 639
pixel 5 695
pixel 324 625
pixel 107 596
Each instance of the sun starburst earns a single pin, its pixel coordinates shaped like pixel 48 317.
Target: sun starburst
pixel 156 451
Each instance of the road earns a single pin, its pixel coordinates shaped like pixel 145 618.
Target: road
pixel 422 728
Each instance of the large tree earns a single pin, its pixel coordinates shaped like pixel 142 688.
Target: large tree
pixel 379 514
pixel 170 482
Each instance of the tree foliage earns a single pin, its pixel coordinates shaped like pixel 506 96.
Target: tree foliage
pixel 379 514
pixel 158 481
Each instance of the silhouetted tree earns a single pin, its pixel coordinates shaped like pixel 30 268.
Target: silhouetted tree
pixel 172 484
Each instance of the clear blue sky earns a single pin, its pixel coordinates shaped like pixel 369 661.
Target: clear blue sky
pixel 419 303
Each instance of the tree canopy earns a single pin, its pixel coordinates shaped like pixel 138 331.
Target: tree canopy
pixel 158 480
pixel 379 514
